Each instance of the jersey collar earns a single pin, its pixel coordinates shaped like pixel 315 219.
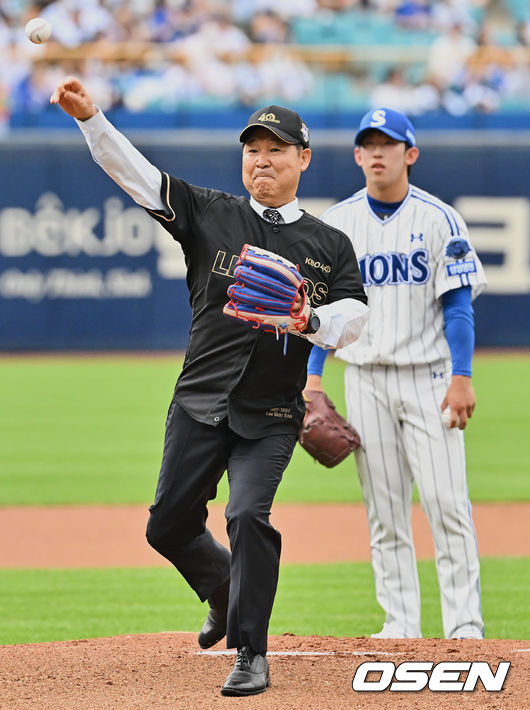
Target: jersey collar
pixel 396 212
pixel 289 212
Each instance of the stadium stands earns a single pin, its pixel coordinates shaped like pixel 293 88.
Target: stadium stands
pixel 176 56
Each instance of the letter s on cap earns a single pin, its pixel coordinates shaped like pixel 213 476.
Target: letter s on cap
pixel 378 118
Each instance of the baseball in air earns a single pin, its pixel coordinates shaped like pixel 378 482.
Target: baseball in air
pixel 38 30
pixel 446 417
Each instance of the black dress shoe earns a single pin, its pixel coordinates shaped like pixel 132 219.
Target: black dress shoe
pixel 250 675
pixel 214 628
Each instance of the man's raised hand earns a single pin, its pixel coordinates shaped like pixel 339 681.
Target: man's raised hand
pixel 72 97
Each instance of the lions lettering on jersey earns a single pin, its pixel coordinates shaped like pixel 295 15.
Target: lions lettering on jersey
pixel 395 268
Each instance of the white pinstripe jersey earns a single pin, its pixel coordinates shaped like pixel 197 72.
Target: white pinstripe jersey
pixel 407 262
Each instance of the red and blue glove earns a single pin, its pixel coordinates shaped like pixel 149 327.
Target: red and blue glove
pixel 265 292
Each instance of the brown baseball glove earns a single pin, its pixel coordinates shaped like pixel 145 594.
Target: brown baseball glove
pixel 325 434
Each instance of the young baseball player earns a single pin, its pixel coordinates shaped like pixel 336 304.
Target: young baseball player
pixel 238 402
pixel 412 362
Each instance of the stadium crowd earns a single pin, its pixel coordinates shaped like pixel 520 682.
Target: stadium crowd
pixel 470 55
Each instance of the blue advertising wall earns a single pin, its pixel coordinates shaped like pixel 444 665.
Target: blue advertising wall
pixel 83 267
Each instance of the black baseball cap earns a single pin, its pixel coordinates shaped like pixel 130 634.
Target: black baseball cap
pixel 283 122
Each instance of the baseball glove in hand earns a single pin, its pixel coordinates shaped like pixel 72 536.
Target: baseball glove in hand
pixel 325 434
pixel 265 292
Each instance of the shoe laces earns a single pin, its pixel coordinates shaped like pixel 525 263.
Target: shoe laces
pixel 245 656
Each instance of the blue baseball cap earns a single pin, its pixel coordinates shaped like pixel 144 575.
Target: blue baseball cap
pixel 394 123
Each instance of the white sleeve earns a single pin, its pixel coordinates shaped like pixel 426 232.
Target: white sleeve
pixel 341 323
pixel 122 161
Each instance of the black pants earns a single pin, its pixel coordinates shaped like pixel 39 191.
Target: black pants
pixel 194 459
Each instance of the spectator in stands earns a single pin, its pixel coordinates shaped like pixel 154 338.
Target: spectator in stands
pixel 211 54
pixel 219 49
pixel 485 76
pixel 31 91
pixel 288 8
pixel 399 93
pixel 518 80
pixel 467 14
pixel 426 97
pixel 522 33
pixel 448 55
pixel 4 108
pixel 395 91
pixel 275 75
pixel 162 22
pixel 5 29
pixel 65 20
pixel 413 14
pixel 338 5
pixel 217 37
pixel 268 28
pixel 96 19
pixel 489 62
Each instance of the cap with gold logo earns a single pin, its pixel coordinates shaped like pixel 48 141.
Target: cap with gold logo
pixel 283 122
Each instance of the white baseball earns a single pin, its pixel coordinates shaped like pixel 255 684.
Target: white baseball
pixel 38 30
pixel 446 418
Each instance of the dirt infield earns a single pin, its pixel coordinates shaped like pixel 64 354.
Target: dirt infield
pixel 168 671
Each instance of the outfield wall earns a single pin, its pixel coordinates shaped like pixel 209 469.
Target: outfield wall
pixel 81 266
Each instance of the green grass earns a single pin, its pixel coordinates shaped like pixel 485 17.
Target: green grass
pixel 336 600
pixel 497 441
pixel 82 430
pixel 90 430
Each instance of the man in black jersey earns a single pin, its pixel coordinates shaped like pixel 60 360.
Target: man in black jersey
pixel 237 404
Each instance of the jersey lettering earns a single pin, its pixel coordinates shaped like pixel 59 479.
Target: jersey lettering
pixel 420 271
pixel 395 268
pixel 317 265
pixel 316 292
pixel 220 265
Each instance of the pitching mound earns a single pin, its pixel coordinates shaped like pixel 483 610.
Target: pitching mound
pixel 169 671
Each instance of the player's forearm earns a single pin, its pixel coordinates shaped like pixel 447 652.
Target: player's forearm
pixel 459 328
pixel 122 161
pixel 341 323
pixel 316 361
pixel 314 383
pixel 315 367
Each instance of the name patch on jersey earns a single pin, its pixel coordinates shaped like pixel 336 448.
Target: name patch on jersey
pixel 467 266
pixel 395 268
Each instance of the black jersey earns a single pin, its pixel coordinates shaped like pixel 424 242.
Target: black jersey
pixel 231 369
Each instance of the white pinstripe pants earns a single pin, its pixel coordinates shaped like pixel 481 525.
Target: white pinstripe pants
pixel 397 413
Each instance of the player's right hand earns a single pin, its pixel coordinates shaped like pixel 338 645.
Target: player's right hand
pixel 72 97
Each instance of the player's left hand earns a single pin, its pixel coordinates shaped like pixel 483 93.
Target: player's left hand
pixel 460 398
pixel 325 434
